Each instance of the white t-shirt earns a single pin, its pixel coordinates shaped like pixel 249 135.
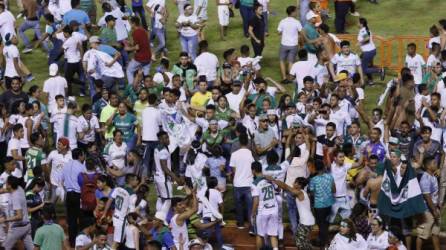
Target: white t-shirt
pixel 369 46
pixel 342 119
pixel 207 64
pixel 161 153
pixel 241 162
pixel 15 144
pixel 432 60
pixel 71 51
pixel 290 28
pixel 304 208
pixel 187 31
pixel 378 243
pixel 339 174
pixel 235 100
pixel 415 64
pixel 115 155
pixel 7 21
pixel 85 125
pixel 300 70
pixel 54 86
pixel 11 52
pixel 122 27
pixel 151 122
pixel 64 6
pixel 215 199
pixel 73 129
pixel 343 62
pixel 129 236
pixel 57 160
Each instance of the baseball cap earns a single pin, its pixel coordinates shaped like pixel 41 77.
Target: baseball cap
pixel 213 122
pixel 394 140
pixel 195 242
pixel 158 78
pixel 94 39
pixel 237 83
pixel 64 141
pixel 271 112
pixel 263 117
pixel 310 14
pixel 161 216
pixel 53 69
pixel 340 77
pixel 109 18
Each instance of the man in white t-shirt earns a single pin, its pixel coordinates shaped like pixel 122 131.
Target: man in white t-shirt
pixel 241 164
pixel 206 63
pixel 73 54
pixel 7 22
pixel 301 69
pixel 235 97
pixel 12 58
pixel 415 63
pixel 289 29
pixel 339 172
pixel 53 86
pixel 345 60
pixel 223 16
pixel 56 160
pixel 69 126
pixel 147 134
pixel 14 149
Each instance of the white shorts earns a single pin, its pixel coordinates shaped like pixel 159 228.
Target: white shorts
pixel 164 189
pixel 223 15
pixel 118 229
pixel 267 225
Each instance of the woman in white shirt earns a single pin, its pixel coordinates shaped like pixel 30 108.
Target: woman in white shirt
pixel 379 238
pixel 347 238
pixel 368 49
pixel 132 233
pixel 304 208
pixel 188 24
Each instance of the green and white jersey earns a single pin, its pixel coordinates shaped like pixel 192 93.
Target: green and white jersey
pixel 267 197
pixel 34 157
pixel 121 196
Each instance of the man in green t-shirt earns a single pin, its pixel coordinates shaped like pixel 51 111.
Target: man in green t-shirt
pixel 106 113
pixel 35 157
pixel 108 33
pixel 50 236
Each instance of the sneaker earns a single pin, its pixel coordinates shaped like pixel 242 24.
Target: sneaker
pixel 383 74
pixel 179 188
pixel 284 81
pixel 251 232
pixel 240 227
pixel 29 78
pixel 27 50
pixel 81 94
pixel 355 13
pixel 19 15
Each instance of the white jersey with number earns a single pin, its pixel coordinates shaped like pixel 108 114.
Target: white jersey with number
pixel 161 153
pixel 122 197
pixel 267 197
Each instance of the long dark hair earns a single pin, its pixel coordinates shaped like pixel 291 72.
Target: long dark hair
pixel 351 235
pixel 363 22
pixel 357 211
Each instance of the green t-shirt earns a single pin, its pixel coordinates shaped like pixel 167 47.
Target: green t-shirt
pixel 248 3
pixel 108 36
pixel 35 157
pixel 126 124
pixel 130 93
pixel 157 90
pixel 49 237
pixel 311 33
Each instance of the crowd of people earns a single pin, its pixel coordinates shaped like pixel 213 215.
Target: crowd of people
pixel 120 119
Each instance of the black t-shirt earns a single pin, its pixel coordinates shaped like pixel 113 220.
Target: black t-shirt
pixel 9 99
pixel 258 26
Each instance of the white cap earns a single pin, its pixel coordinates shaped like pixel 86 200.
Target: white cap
pixel 94 39
pixel 310 14
pixel 161 216
pixel 53 69
pixel 158 78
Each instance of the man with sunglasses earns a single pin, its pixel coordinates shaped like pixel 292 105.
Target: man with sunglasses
pixel 264 138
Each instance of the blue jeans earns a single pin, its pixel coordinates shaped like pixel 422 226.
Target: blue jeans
pixel 131 142
pixel 56 52
pixel 26 25
pixel 134 66
pixel 148 157
pixel 292 212
pixel 217 230
pixel 304 8
pixel 367 63
pixel 243 201
pixel 159 34
pixel 110 82
pixel 90 81
pixel 189 45
pixel 247 13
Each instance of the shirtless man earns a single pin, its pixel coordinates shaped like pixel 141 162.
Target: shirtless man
pixel 31 22
pixel 371 190
pixel 327 42
pixel 369 171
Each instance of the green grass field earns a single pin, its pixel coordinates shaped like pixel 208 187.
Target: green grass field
pixel 389 18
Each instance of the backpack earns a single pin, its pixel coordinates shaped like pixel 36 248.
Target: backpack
pixel 88 192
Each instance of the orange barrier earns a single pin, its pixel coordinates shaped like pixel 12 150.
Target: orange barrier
pixel 391 52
